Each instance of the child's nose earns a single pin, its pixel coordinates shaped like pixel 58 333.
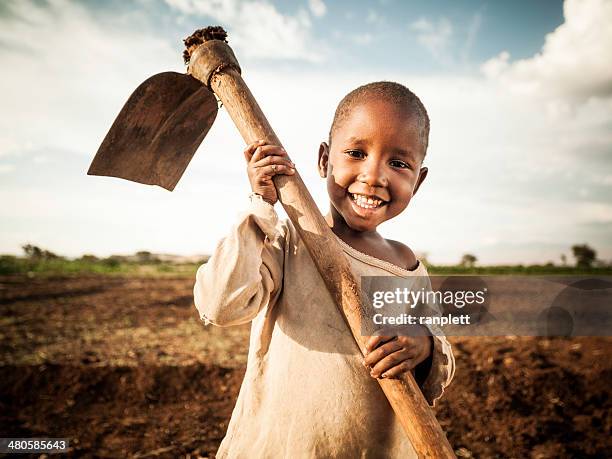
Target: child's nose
pixel 373 173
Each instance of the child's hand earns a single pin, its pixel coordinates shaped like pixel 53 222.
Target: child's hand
pixel 396 354
pixel 264 162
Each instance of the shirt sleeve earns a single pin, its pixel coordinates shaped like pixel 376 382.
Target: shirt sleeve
pixel 441 372
pixel 245 272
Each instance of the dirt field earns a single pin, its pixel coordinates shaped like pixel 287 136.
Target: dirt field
pixel 123 367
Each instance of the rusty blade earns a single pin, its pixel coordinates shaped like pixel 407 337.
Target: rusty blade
pixel 158 131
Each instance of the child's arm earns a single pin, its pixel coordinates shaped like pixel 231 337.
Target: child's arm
pixel 244 274
pixel 245 270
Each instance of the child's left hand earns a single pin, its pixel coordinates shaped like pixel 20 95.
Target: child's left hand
pixel 397 355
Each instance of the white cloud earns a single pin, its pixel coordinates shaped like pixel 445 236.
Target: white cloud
pixel 495 67
pixel 572 64
pixel 434 36
pixel 258 30
pixel 317 7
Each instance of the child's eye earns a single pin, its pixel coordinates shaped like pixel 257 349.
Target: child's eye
pixel 400 164
pixel 355 153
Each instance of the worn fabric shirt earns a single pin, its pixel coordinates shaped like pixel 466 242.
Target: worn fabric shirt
pixel 305 392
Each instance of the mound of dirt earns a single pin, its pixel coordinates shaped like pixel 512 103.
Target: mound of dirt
pixel 120 411
pixel 529 397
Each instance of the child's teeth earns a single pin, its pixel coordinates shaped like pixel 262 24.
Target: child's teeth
pixel 365 202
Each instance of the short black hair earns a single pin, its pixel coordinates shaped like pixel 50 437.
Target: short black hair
pixel 389 91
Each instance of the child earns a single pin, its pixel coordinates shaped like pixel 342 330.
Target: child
pixel 306 392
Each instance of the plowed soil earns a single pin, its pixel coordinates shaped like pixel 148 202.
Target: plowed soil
pixel 124 368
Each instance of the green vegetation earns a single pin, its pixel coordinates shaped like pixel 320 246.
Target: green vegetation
pixel 40 262
pixel 584 255
pixel 37 261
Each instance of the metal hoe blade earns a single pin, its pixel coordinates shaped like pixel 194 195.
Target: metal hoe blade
pixel 158 131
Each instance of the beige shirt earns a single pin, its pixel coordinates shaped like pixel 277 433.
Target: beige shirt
pixel 305 392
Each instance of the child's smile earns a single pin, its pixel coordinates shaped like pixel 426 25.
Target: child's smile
pixel 373 168
pixel 366 205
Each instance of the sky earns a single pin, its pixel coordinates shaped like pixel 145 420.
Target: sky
pixel 519 95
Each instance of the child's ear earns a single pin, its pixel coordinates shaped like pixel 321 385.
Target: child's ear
pixel 421 179
pixel 323 159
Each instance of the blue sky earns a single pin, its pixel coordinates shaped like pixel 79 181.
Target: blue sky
pixel 519 94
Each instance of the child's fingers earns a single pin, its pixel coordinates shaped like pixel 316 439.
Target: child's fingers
pixel 262 151
pixel 272 160
pixel 250 149
pixel 404 358
pixel 397 370
pixel 374 341
pixel 372 358
pixel 275 169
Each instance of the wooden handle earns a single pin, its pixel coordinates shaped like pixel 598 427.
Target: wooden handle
pixel 403 394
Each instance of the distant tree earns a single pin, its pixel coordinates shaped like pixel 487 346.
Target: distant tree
pixel 89 258
pixel 468 260
pixel 113 261
pixel 146 257
pixel 563 259
pixel 143 256
pixel 585 256
pixel 36 253
pixel 31 251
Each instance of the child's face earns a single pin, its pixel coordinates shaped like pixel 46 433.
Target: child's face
pixel 375 153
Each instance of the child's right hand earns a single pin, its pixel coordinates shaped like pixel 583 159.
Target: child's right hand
pixel 264 162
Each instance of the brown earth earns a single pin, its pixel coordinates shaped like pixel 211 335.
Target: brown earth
pixel 124 368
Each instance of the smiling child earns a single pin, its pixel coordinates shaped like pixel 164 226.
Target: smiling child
pixel 305 392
